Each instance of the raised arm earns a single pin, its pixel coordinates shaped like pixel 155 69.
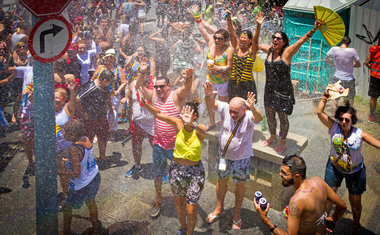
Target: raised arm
pixel 206 36
pixel 250 104
pixel 154 37
pixel 290 51
pixel 231 32
pixel 325 119
pixel 255 40
pixel 71 105
pixel 209 95
pixel 141 73
pixel 175 122
pixel 181 92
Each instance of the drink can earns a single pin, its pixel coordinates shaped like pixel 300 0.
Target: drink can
pixel 263 203
pixel 258 195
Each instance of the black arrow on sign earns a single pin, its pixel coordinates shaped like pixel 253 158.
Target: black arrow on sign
pixel 56 29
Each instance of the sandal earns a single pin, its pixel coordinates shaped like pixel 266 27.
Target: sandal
pixel 280 149
pixel 211 218
pixel 236 225
pixel 267 142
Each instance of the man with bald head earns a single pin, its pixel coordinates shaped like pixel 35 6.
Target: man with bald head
pixel 239 151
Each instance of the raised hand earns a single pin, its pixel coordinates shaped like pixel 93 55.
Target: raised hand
pixel 186 114
pixel 208 88
pixel 193 9
pixel 250 100
pixel 260 17
pixel 189 73
pixel 142 98
pixel 144 64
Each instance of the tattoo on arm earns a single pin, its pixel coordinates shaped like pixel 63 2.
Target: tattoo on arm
pixel 294 210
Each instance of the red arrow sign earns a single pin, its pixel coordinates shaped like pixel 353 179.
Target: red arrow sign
pixel 41 8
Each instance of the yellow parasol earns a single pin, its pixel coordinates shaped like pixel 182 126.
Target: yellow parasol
pixel 332 28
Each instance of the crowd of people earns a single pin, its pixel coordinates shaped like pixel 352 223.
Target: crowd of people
pixel 111 74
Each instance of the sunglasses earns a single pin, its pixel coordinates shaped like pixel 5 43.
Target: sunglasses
pixel 278 38
pixel 159 86
pixel 345 119
pixel 18 47
pixel 217 38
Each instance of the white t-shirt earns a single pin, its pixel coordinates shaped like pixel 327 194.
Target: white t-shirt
pixel 241 144
pixel 344 59
pixel 26 73
pixel 123 29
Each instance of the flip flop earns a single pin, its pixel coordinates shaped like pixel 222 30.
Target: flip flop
pixel 212 218
pixel 280 150
pixel 267 142
pixel 236 225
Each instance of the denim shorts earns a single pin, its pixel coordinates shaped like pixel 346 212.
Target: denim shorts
pixel 187 181
pixel 160 155
pixel 355 182
pixel 238 169
pixel 75 199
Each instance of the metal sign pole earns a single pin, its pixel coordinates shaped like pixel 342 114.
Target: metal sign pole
pixel 45 159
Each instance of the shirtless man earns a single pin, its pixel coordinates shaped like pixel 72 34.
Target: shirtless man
pixel 307 207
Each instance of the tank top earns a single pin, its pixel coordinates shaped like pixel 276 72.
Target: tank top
pixel 88 169
pixel 140 115
pixel 278 80
pixel 242 68
pixel 187 146
pixel 345 153
pixel 61 118
pixel 164 133
pixel 218 77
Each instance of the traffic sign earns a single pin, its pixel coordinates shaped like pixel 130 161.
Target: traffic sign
pixel 50 38
pixel 41 8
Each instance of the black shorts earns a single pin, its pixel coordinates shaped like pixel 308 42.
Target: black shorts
pixel 374 87
pixel 241 89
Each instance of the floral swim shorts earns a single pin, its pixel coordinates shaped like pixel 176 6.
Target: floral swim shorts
pixel 187 181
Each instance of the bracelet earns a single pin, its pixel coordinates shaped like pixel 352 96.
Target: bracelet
pixel 197 13
pixel 265 222
pixel 273 228
pixel 199 21
pixel 308 35
pixel 195 125
pixel 326 95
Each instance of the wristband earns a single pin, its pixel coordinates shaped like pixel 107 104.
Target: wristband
pixel 199 21
pixel 197 14
pixel 265 222
pixel 273 228
pixel 195 125
pixel 326 95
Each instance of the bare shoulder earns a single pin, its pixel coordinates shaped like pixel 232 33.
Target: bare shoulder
pixel 296 205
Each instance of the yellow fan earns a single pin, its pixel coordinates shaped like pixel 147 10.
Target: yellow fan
pixel 332 28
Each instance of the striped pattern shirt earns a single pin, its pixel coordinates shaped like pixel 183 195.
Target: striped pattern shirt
pixel 242 68
pixel 164 134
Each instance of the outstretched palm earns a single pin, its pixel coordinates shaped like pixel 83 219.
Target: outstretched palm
pixel 186 114
pixel 193 9
pixel 260 18
pixel 208 88
pixel 250 99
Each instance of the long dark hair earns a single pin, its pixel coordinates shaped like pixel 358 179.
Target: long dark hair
pixel 285 39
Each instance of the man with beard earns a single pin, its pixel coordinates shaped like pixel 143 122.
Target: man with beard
pixel 307 206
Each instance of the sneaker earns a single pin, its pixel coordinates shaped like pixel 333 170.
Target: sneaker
pixel 155 210
pixel 180 232
pixel 165 179
pixel 132 171
pixel 370 120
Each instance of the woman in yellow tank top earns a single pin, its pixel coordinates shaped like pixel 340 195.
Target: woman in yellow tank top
pixel 186 172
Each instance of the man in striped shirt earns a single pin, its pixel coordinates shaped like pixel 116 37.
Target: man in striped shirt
pixel 168 102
